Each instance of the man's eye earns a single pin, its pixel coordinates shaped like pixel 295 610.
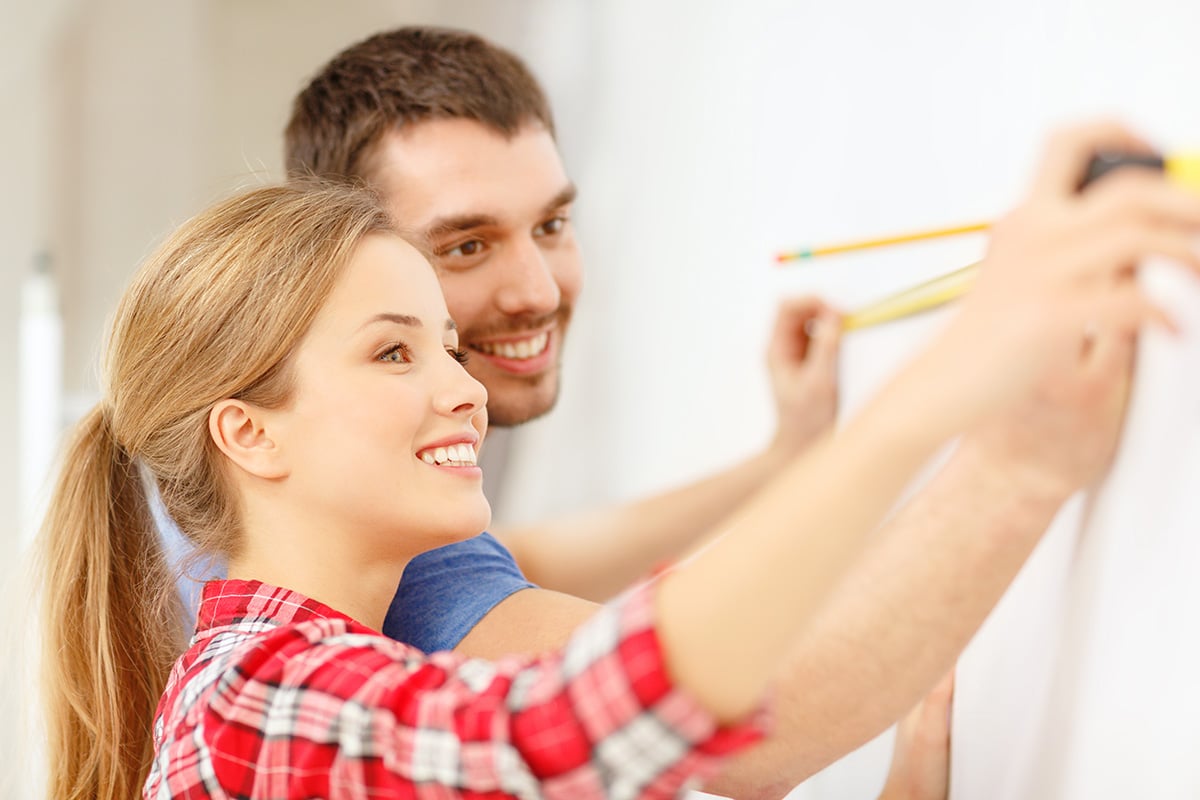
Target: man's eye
pixel 397 354
pixel 471 248
pixel 551 226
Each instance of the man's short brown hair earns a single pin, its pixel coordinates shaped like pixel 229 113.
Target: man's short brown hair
pixel 398 78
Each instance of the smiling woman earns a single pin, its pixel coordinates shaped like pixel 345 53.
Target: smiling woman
pixel 286 371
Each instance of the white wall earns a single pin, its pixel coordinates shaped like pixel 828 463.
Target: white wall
pixel 724 131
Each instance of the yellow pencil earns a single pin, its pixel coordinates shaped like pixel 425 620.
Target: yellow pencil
pixel 882 241
pixel 1182 168
pixel 922 297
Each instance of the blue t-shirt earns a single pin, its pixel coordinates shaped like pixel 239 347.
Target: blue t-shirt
pixel 445 592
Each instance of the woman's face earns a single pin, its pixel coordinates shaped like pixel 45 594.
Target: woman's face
pixel 384 425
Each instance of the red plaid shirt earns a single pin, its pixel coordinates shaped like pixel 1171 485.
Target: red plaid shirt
pixel 280 696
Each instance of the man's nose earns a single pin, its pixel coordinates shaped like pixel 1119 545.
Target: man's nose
pixel 529 284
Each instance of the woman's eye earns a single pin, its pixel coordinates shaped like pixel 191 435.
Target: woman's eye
pixel 458 355
pixel 397 354
pixel 471 248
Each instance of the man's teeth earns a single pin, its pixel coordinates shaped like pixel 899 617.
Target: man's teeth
pixel 455 455
pixel 525 348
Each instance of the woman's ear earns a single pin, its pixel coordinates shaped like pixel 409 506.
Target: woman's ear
pixel 240 431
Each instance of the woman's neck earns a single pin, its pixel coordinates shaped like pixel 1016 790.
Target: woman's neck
pixel 361 588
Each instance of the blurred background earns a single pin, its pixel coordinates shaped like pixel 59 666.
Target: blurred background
pixel 703 136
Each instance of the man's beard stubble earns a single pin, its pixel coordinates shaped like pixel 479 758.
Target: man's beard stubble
pixel 516 399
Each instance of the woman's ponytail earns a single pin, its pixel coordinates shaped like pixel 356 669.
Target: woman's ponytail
pixel 112 622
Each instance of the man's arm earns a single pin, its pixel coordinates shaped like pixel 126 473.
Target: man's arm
pixel 896 623
pixel 531 621
pixel 597 554
pixel 934 572
pixel 921 755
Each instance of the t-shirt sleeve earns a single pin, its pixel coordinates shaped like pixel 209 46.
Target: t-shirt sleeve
pixel 445 592
pixel 190 567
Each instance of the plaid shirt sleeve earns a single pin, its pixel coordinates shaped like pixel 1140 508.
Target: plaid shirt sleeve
pixel 328 709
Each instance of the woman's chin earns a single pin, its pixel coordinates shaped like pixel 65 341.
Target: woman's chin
pixel 481 518
pixel 467 523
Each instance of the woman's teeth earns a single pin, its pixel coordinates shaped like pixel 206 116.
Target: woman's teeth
pixel 455 455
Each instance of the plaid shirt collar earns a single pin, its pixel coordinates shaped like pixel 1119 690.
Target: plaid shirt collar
pixel 239 603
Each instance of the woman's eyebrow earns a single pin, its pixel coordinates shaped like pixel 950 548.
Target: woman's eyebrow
pixel 404 319
pixel 399 319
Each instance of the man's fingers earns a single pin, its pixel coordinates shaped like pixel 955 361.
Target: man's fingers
pixel 1141 194
pixel 944 691
pixel 825 339
pixel 805 306
pixel 1107 351
pixel 939 702
pixel 1117 311
pixel 1112 253
pixel 797 322
pixel 1068 152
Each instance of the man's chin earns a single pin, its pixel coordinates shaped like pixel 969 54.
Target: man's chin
pixel 512 408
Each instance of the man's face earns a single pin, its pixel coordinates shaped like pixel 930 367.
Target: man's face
pixel 497 214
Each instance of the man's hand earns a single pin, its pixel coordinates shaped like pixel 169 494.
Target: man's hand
pixel 803 358
pixel 1065 436
pixel 921 759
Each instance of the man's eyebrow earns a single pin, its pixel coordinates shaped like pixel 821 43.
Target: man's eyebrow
pixel 563 198
pixel 460 223
pixel 404 319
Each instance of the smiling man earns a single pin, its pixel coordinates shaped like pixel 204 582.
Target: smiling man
pixel 496 211
pixel 457 136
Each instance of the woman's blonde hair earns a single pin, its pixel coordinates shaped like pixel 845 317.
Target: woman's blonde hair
pixel 215 313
